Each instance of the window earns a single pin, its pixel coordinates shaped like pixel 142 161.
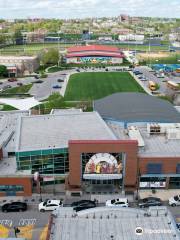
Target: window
pixel 14 188
pixel 154 168
pixel 178 168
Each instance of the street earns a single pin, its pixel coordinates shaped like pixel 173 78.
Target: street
pixel 32 223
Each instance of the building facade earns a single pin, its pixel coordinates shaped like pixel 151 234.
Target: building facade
pixel 20 65
pixel 94 54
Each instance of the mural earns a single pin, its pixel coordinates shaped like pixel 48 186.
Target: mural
pixel 103 163
pixel 94 60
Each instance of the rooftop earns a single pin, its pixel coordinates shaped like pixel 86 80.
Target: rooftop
pixel 113 224
pixel 136 107
pixel 66 111
pixel 94 50
pixel 8 128
pixel 156 145
pixel 17 57
pixel 54 131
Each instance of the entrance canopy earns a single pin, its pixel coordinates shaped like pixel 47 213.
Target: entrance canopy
pixel 20 104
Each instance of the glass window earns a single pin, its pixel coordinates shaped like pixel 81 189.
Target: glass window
pixel 154 168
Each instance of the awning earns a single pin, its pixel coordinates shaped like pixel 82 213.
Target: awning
pixel 102 176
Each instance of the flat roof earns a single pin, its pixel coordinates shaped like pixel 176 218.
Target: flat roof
pixel 136 107
pixel 66 111
pixel 54 131
pixel 8 128
pixel 18 57
pixel 156 145
pixel 113 223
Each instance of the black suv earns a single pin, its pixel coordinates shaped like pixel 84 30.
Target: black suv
pixel 149 201
pixel 83 204
pixel 14 207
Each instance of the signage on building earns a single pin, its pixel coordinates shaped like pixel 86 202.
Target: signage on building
pixel 152 184
pixel 48 179
pixel 94 59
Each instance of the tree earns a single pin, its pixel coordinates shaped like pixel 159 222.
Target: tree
pixel 18 37
pixel 50 56
pixel 3 70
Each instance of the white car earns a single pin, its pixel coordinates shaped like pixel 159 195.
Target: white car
pixel 174 201
pixel 50 205
pixel 119 202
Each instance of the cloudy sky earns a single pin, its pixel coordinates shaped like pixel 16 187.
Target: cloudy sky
pixel 88 8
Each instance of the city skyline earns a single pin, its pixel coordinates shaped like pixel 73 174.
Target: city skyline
pixel 88 8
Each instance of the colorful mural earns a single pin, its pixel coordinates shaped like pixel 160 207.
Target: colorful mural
pixel 94 59
pixel 103 163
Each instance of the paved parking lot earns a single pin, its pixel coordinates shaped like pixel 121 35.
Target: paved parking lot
pixel 150 76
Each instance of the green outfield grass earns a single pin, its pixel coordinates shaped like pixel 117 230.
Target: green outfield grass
pixel 30 48
pixel 90 86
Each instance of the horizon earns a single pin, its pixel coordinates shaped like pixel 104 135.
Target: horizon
pixel 80 9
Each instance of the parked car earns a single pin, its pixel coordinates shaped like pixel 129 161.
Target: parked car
pixel 137 72
pixel 56 86
pixel 149 202
pixel 50 205
pixel 14 207
pixel 1 82
pixel 83 204
pixel 174 201
pixel 19 84
pixel 178 226
pixel 119 202
pixel 12 80
pixel 38 81
pixel 36 77
pixel 60 80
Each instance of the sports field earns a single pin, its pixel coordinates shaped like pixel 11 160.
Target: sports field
pixel 90 86
pixel 30 49
pixel 35 48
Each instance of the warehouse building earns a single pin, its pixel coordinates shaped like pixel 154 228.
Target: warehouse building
pixel 94 54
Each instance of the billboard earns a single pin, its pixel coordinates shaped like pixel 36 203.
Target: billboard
pixel 103 163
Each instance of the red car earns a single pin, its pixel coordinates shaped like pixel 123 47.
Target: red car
pixel 12 80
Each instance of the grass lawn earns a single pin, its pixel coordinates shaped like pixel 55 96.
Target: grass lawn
pixel 18 90
pixel 90 86
pixel 30 48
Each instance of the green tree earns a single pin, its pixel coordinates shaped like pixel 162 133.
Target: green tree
pixel 50 57
pixel 3 70
pixel 2 39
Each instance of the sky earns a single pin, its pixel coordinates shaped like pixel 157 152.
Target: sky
pixel 11 9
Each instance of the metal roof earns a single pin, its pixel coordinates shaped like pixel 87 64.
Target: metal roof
pixel 94 50
pixel 136 107
pixel 113 223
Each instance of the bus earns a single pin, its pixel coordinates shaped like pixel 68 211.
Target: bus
pixel 173 85
pixel 152 86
